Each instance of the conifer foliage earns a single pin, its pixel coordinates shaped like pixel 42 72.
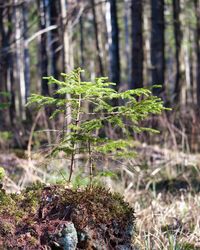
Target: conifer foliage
pixel 83 133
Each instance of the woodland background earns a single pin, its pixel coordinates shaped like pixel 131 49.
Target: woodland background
pixel 136 43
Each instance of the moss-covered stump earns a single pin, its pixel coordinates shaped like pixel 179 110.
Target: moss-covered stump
pixel 54 217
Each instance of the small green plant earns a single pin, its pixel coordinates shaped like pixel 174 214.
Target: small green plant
pixel 2 174
pixel 89 106
pixel 3 104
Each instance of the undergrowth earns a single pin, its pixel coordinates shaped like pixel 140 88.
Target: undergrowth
pixel 88 109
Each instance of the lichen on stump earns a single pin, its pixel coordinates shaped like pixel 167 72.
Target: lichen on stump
pixel 60 218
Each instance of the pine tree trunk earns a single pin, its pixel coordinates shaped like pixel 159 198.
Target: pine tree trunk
pixel 43 57
pixel 2 66
pixel 19 60
pixel 82 61
pixel 157 43
pixel 197 8
pixel 113 36
pixel 55 39
pixel 100 70
pixel 26 50
pixel 67 66
pixel 188 80
pixel 127 41
pixel 65 36
pixel 147 48
pixel 137 44
pixel 178 40
pixel 11 80
pixel 7 116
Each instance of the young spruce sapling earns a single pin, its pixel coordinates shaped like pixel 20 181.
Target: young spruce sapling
pixel 81 134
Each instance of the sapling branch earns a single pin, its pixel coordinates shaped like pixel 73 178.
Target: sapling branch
pixel 88 110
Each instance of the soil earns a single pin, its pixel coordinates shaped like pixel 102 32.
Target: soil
pixel 57 217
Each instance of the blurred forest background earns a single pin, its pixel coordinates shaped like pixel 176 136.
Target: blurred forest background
pixel 136 43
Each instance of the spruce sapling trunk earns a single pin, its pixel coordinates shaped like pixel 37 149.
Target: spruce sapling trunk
pixel 74 143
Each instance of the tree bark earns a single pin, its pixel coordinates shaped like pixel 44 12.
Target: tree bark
pixel 178 36
pixel 11 80
pixel 137 44
pixel 19 60
pixel 82 45
pixel 43 57
pixel 2 66
pixel 66 57
pixel 7 116
pixel 66 37
pixel 197 8
pixel 127 42
pixel 157 44
pixel 26 50
pixel 112 27
pixel 100 70
pixel 55 38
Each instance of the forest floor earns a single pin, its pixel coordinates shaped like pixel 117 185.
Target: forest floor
pixel 58 217
pixel 162 185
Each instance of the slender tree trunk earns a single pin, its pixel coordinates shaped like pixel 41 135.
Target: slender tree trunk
pixel 104 37
pixel 11 79
pixel 82 45
pixel 7 116
pixel 192 65
pixel 48 35
pixel 55 39
pixel 19 60
pixel 43 57
pixel 157 43
pixel 100 70
pixel 2 65
pixel 66 56
pixel 178 40
pixel 26 51
pixel 66 37
pixel 147 48
pixel 188 79
pixel 137 44
pixel 127 41
pixel 197 8
pixel 12 107
pixel 113 36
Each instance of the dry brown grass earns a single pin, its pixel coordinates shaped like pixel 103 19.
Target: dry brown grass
pixel 162 185
pixel 166 221
pixel 165 194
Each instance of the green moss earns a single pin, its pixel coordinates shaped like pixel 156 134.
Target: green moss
pixel 101 203
pixel 6 227
pixel 20 205
pixel 2 173
pixel 93 198
pixel 40 208
pixel 6 201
